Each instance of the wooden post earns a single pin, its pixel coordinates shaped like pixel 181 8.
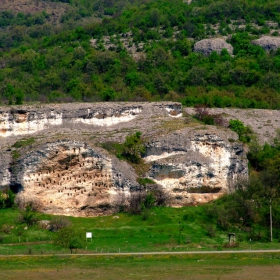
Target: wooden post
pixel 270 216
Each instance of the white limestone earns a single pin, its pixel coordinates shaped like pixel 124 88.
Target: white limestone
pixel 21 126
pixel 125 116
pixel 162 156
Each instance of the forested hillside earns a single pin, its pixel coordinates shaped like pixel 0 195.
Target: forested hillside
pixel 104 50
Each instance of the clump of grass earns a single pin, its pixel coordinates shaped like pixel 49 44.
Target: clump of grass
pixel 145 181
pixel 24 143
pixel 15 154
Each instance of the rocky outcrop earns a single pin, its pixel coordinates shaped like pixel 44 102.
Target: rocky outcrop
pixel 70 178
pixel 268 43
pixel 196 166
pixel 19 121
pixel 192 163
pixel 5 175
pixel 207 46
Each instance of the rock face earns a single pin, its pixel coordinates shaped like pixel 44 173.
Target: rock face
pixel 18 121
pixel 66 172
pixel 196 167
pixel 207 46
pixel 69 178
pixel 268 43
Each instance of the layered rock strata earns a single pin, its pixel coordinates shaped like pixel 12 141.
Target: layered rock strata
pixel 192 163
pixel 20 121
pixel 196 167
pixel 69 178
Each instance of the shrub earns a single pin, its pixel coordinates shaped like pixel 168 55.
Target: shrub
pixel 23 201
pixel 58 223
pixel 6 229
pixel 7 199
pixel 27 216
pixel 133 147
pixel 210 231
pixel 202 113
pixel 244 132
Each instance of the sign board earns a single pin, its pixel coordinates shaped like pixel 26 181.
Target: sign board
pixel 89 235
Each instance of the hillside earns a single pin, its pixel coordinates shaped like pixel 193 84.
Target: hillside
pixel 68 51
pixel 80 136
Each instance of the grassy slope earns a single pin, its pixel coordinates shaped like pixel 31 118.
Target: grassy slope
pixel 166 229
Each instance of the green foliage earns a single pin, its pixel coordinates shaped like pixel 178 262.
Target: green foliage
pixel 48 56
pixel 24 143
pixel 71 238
pixel 244 132
pixel 145 181
pixel 28 216
pixel 248 207
pixel 133 148
pixel 7 199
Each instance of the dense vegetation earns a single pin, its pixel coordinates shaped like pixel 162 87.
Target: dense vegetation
pixel 49 58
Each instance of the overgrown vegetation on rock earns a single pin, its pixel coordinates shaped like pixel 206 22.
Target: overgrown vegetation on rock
pixel 132 149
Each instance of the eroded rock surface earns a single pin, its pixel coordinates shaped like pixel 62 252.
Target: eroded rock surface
pixel 268 43
pixel 67 172
pixel 19 121
pixel 196 166
pixel 207 46
pixel 70 178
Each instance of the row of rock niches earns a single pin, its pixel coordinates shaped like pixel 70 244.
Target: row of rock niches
pixel 67 175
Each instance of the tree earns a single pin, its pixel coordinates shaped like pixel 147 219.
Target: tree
pixel 133 147
pixel 71 238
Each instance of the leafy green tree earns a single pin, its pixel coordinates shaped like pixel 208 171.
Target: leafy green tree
pixel 133 147
pixel 71 238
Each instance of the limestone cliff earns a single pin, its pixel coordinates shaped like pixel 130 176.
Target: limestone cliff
pixel 19 121
pixel 67 177
pixel 196 166
pixel 66 172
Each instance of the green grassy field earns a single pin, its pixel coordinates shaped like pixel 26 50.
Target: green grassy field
pixel 230 266
pixel 165 229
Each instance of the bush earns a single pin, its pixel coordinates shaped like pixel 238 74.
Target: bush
pixel 133 148
pixel 6 229
pixel 244 132
pixel 141 201
pixel 7 199
pixel 58 223
pixel 23 201
pixel 210 231
pixel 27 216
pixel 202 113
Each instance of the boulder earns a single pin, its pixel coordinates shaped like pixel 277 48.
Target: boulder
pixel 207 46
pixel 268 43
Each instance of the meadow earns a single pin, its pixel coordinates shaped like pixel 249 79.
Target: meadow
pixel 162 229
pixel 229 266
